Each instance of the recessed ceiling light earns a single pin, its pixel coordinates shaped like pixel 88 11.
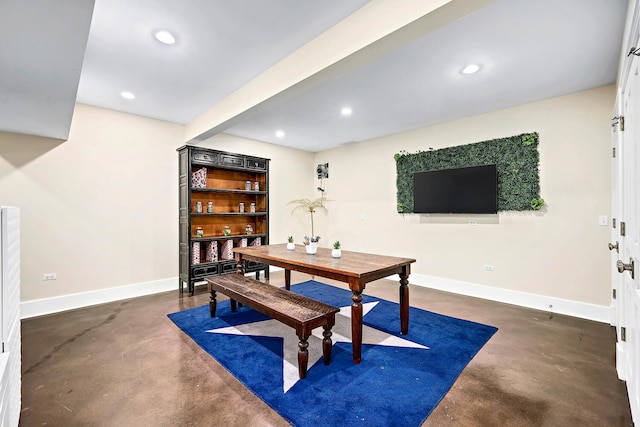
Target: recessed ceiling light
pixel 280 133
pixel 346 111
pixel 471 69
pixel 165 37
pixel 127 95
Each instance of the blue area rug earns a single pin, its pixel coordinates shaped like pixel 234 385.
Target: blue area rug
pixel 400 380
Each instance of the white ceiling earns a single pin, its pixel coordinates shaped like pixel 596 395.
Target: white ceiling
pixel 42 45
pixel 528 50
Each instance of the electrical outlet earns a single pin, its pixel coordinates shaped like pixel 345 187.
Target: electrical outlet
pixel 488 267
pixel 603 220
pixel 49 276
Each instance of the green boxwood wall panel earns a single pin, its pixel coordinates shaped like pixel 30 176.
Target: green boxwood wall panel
pixel 516 157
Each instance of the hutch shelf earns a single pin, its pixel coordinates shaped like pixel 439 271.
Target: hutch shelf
pixel 223 203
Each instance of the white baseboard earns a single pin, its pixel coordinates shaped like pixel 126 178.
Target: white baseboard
pixel 598 313
pixel 44 306
pixel 582 310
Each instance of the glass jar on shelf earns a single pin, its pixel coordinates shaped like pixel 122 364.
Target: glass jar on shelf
pixel 199 232
pixel 249 229
pixel 247 185
pixel 252 207
pixel 226 230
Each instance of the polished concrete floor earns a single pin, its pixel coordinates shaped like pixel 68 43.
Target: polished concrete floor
pixel 126 364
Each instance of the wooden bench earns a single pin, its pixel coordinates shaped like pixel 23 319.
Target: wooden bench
pixel 301 313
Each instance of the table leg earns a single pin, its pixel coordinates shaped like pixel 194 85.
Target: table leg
pixel 240 264
pixel 239 270
pixel 212 302
pixel 356 326
pixel 404 304
pixel 287 279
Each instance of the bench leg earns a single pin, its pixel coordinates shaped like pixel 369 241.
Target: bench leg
pixel 327 345
pixel 213 303
pixel 303 358
pixel 233 305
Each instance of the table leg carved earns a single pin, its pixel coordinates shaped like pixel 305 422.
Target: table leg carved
pixel 212 302
pixel 404 304
pixel 356 325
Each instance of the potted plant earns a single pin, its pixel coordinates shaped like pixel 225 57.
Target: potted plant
pixel 290 245
pixel 311 244
pixel 310 206
pixel 336 252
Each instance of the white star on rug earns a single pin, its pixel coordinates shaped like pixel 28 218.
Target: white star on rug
pixel 341 333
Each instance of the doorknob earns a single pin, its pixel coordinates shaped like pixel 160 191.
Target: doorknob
pixel 612 246
pixel 622 266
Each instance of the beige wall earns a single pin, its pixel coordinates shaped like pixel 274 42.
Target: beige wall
pixel 559 252
pixel 100 209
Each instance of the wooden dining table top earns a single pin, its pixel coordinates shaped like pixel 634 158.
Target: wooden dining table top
pixel 351 264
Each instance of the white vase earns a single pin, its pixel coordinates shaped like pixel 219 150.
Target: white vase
pixel 336 253
pixel 291 246
pixel 312 248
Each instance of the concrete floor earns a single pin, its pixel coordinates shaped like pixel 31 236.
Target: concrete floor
pixel 126 364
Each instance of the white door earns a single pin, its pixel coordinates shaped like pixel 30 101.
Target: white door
pixel 617 309
pixel 629 233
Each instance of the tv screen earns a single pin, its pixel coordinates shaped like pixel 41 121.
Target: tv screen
pixel 471 190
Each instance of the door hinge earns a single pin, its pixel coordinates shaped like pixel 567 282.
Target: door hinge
pixel 618 120
pixel 613 293
pixel 613 222
pixel 613 152
pixel 623 231
pixel 623 333
pixel 622 123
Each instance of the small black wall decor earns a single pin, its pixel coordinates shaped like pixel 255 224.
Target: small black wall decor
pixel 516 157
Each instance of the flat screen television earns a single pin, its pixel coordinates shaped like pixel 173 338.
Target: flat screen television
pixel 470 190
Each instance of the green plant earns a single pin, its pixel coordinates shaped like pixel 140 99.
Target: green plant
pixel 336 244
pixel 309 206
pixel 290 239
pixel 537 204
pixel 516 157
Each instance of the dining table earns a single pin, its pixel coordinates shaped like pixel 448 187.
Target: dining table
pixel 352 267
